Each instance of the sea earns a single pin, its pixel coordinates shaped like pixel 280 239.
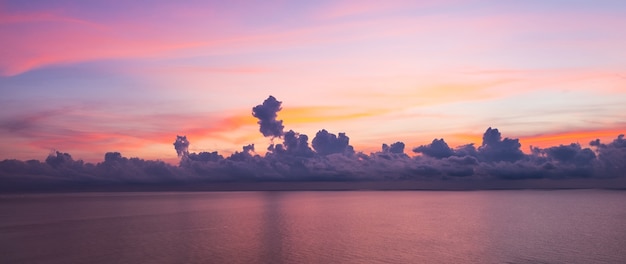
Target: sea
pixel 507 226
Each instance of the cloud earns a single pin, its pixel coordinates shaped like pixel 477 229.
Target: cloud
pixel 26 123
pixel 396 148
pixel 612 157
pixel 267 113
pixel 494 148
pixel 181 145
pixel 88 131
pixel 437 149
pixel 571 153
pixel 326 143
pixel 329 157
pixel 58 159
pixel 295 144
pixel 351 9
pixel 147 33
pixel 205 156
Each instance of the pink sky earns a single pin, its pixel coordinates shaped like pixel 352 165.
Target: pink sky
pixel 87 78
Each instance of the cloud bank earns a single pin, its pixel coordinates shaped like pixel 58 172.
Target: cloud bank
pixel 328 157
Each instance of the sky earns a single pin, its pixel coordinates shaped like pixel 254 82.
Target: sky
pixel 91 77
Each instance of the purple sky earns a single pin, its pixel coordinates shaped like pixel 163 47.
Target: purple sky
pixel 87 77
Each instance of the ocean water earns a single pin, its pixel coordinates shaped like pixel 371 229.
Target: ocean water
pixel 525 226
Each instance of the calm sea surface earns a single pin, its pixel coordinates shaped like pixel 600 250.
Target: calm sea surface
pixel 565 226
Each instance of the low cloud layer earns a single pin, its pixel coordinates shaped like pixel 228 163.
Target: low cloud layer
pixel 328 157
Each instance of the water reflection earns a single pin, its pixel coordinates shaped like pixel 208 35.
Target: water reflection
pixel 585 226
pixel 274 231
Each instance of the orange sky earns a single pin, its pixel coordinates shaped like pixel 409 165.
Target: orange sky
pixel 87 78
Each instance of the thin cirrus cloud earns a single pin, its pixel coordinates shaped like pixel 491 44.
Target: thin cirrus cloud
pixel 50 37
pixel 324 114
pixel 348 8
pixel 34 48
pixel 443 93
pixel 76 40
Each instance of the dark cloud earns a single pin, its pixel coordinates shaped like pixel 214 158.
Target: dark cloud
pixel 329 157
pixel 512 170
pixel 244 155
pixel 466 150
pixel 464 160
pixel 248 148
pixel 326 143
pixel 494 148
pixel 450 167
pixel 296 144
pixel 396 148
pixel 611 157
pixel 110 157
pixel 572 154
pixel 58 159
pixel 267 113
pixel 391 152
pixel 205 156
pixel 181 145
pixel 437 149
